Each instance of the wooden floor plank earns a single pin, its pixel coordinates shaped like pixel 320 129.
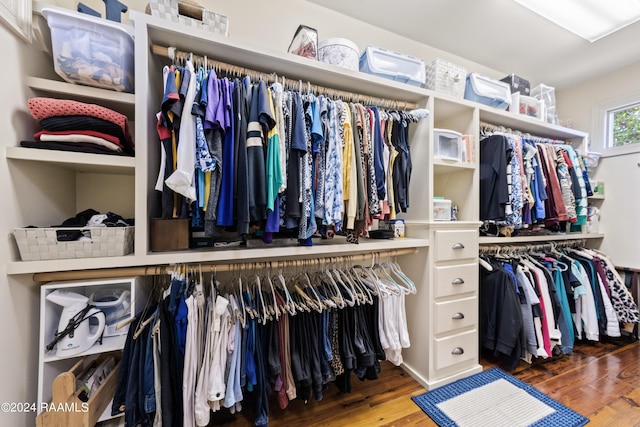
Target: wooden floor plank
pixel 599 380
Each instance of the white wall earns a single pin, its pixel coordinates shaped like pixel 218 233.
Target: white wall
pixel 621 174
pixel 18 296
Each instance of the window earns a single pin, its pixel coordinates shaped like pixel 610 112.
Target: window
pixel 616 126
pixel 623 125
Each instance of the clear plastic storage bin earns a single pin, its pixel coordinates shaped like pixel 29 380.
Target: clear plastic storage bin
pixel 441 210
pixel 447 144
pixel 90 50
pixel 392 65
pixel 488 91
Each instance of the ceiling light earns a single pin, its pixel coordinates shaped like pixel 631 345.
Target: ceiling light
pixel 589 19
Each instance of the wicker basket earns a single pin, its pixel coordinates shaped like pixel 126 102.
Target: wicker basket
pixel 189 13
pixel 37 244
pixel 445 77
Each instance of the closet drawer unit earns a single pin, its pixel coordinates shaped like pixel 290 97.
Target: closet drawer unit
pixel 455 280
pixel 455 350
pixel 456 314
pixel 456 244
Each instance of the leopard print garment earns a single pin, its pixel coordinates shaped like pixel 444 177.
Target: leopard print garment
pixel 625 307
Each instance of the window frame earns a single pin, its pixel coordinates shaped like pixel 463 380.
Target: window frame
pixel 601 133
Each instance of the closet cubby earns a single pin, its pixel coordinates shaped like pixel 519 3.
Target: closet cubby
pixel 51 365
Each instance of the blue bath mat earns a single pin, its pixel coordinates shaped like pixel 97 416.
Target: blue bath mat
pixel 493 398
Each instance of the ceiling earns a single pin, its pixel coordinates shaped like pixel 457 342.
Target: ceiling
pixel 500 34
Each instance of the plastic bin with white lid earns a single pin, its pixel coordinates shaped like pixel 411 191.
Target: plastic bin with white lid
pixel 441 209
pixel 341 52
pixel 487 91
pixel 392 65
pixel 447 144
pixel 91 51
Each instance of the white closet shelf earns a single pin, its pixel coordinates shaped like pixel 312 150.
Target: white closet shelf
pixel 282 63
pixel 447 166
pixel 119 101
pixel 108 344
pixel 321 249
pixel 542 238
pixel 523 123
pixel 80 162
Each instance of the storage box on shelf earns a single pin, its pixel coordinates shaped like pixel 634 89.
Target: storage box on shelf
pixel 91 51
pixel 189 14
pixel 547 95
pixel 48 243
pixel 446 77
pixel 392 65
pixel 517 84
pixel 447 144
pixel 527 106
pixel 341 52
pixel 488 91
pixel 441 209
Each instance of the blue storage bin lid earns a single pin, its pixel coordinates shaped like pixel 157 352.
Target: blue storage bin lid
pixel 392 65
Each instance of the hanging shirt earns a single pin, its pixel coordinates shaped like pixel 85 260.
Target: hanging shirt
pixel 297 148
pixel 277 93
pixel 260 122
pixel 349 174
pixel 242 102
pixel 181 180
pixel 274 177
pixel 215 125
pixel 227 186
pixel 334 199
pixel 493 177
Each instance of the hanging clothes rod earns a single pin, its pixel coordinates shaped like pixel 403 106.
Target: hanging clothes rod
pixel 159 270
pixel 490 128
pixel 492 249
pixel 174 54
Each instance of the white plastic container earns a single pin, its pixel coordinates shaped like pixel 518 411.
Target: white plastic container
pixel 441 210
pixel 340 52
pixel 392 65
pixel 527 106
pixel 90 50
pixel 447 144
pixel 487 91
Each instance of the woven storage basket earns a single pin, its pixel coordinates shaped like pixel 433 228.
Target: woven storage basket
pixel 443 76
pixel 189 13
pixel 37 244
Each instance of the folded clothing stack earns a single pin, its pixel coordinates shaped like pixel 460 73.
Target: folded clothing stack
pixel 76 126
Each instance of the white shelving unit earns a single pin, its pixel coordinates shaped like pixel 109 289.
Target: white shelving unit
pixel 446 252
pixel 52 365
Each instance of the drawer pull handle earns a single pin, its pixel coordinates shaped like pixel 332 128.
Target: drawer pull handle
pixel 457 246
pixel 458 281
pixel 457 351
pixel 458 316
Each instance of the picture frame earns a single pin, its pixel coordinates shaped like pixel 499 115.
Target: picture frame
pixel 16 15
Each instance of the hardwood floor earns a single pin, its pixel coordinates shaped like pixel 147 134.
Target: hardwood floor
pixel 599 380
